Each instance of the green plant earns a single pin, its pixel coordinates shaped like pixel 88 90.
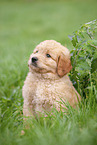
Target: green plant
pixel 84 57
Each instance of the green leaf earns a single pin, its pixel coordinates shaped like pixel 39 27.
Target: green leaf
pixel 94 65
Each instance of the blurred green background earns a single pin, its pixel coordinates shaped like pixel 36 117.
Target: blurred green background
pixel 25 23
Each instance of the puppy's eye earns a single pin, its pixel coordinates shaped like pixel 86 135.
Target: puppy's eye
pixel 36 51
pixel 48 55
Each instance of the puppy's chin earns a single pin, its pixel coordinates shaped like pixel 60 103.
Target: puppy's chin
pixel 34 64
pixel 34 67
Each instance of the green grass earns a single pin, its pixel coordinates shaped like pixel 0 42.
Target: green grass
pixel 22 26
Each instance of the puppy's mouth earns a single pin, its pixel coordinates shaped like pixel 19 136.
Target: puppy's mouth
pixel 34 64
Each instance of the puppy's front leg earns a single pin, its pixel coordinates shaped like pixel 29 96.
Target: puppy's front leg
pixel 27 110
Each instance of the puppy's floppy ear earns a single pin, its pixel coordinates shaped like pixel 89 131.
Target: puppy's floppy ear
pixel 64 65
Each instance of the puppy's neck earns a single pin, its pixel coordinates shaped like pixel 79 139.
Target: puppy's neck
pixel 49 75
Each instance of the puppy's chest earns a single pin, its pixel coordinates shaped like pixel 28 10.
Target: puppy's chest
pixel 46 90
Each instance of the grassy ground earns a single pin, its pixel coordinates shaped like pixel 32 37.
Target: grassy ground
pixel 22 26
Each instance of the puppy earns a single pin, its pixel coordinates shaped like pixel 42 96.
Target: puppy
pixel 47 82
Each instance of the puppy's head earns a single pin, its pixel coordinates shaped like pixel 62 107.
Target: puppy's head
pixel 50 57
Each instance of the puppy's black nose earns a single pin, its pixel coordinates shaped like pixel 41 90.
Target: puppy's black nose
pixel 34 59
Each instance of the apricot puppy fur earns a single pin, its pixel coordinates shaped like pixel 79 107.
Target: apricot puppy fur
pixel 47 81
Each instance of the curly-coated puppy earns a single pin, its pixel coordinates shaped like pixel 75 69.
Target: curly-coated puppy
pixel 47 81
